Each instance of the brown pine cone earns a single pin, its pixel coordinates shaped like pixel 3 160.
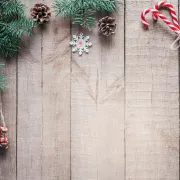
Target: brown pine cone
pixel 40 13
pixel 107 26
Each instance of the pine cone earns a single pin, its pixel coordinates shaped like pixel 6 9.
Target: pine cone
pixel 107 26
pixel 40 13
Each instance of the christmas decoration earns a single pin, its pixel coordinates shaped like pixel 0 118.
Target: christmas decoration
pixel 80 44
pixel 3 140
pixel 156 13
pixel 107 26
pixel 3 79
pixel 170 7
pixel 82 11
pixel 3 130
pixel 13 24
pixel 40 13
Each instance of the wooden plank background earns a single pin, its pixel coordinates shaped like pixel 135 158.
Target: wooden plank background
pixel 112 114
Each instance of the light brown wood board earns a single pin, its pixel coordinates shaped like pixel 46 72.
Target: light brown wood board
pixel 112 114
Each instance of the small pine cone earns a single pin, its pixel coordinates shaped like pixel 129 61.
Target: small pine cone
pixel 107 26
pixel 40 13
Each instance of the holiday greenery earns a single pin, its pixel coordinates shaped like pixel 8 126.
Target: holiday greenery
pixel 3 80
pixel 82 11
pixel 13 24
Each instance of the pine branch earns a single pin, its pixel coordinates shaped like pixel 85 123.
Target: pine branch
pixel 102 5
pixel 3 79
pixel 13 24
pixel 82 12
pixel 84 18
pixel 66 8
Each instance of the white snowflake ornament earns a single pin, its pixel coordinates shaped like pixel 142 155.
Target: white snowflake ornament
pixel 80 44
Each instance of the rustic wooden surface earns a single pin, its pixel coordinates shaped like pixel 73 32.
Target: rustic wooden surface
pixel 112 114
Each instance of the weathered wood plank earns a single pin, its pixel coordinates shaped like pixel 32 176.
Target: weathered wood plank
pixel 8 99
pixel 152 106
pixel 56 57
pixel 97 108
pixel 29 144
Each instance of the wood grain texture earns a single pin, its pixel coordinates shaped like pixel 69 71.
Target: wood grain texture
pixel 97 108
pixel 152 107
pixel 8 99
pixel 56 57
pixel 102 116
pixel 29 135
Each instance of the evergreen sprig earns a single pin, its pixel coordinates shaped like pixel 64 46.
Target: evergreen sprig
pixel 13 24
pixel 82 11
pixel 3 79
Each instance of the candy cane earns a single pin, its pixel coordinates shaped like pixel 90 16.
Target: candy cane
pixel 170 7
pixel 156 13
pixel 159 14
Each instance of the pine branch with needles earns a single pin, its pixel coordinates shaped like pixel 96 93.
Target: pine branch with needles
pixel 82 12
pixel 13 25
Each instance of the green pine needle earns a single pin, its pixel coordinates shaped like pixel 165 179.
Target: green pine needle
pixel 13 24
pixel 82 11
pixel 3 79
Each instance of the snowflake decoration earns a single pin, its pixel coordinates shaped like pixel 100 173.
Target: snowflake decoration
pixel 80 44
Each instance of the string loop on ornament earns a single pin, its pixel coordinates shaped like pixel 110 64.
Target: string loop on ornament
pixel 173 47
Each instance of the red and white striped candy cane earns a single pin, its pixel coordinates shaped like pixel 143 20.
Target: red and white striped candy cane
pixel 170 7
pixel 143 14
pixel 159 14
